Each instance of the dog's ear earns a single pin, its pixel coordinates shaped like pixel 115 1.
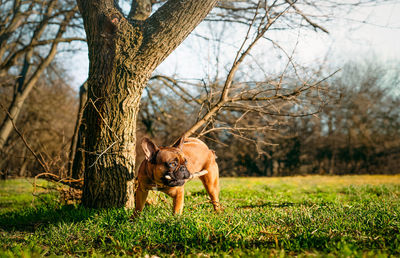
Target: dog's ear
pixel 179 143
pixel 149 148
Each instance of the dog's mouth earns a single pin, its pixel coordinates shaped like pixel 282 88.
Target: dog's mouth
pixel 173 183
pixel 177 177
pixel 169 182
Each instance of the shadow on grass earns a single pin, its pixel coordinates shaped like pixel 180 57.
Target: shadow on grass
pixel 29 219
pixel 270 204
pixel 283 204
pixel 198 193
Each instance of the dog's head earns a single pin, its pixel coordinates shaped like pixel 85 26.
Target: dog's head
pixel 166 165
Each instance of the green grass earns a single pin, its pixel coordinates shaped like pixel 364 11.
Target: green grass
pixel 19 193
pixel 304 216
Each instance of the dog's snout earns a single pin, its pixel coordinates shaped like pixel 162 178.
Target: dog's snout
pixel 177 177
pixel 185 173
pixel 182 172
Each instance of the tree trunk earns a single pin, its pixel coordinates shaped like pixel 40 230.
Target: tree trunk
pixel 114 94
pixel 7 126
pixel 110 142
pixel 140 10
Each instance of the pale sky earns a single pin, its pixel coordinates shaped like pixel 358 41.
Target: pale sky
pixel 349 39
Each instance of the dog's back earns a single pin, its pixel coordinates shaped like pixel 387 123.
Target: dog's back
pixel 197 154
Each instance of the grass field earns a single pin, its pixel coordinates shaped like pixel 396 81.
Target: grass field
pixel 305 216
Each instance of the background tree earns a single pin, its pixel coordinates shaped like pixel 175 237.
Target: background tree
pixel 30 32
pixel 360 133
pixel 46 124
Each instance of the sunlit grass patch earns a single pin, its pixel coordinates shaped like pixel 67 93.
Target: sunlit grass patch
pixel 312 215
pixel 19 193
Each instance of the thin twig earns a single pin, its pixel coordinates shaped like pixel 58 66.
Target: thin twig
pixel 102 153
pixel 41 162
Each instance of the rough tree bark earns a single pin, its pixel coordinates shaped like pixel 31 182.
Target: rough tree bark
pixel 140 10
pixel 122 55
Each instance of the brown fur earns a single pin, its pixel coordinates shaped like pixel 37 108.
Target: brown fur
pixel 198 157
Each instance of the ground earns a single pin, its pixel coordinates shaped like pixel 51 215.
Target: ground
pixel 305 216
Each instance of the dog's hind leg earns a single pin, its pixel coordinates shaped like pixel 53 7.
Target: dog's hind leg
pixel 211 183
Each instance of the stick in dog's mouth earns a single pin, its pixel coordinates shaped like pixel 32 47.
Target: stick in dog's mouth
pixel 192 176
pixel 198 174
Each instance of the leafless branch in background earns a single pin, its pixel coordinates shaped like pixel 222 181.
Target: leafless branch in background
pixel 24 49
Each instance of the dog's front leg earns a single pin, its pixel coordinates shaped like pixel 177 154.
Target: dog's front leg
pixel 177 194
pixel 140 199
pixel 178 201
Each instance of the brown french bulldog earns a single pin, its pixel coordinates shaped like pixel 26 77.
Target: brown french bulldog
pixel 167 169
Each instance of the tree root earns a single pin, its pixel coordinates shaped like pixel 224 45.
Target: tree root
pixel 68 195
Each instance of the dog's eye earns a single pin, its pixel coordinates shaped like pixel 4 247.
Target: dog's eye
pixel 173 164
